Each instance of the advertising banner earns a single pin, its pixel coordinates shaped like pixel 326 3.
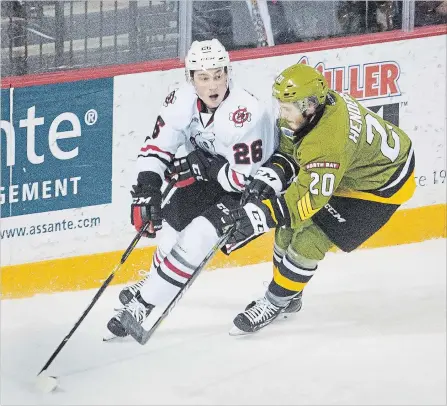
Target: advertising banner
pixel 56 159
pixel 56 147
pixel 68 151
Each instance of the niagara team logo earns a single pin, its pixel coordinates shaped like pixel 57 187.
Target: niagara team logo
pixel 170 99
pixel 240 116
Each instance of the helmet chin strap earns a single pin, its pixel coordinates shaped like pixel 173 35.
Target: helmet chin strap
pixel 311 112
pixel 306 122
pixel 311 120
pixel 308 117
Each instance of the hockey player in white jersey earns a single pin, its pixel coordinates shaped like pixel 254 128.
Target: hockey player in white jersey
pixel 228 134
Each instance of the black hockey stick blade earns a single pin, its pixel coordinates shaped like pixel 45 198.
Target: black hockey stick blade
pixel 134 328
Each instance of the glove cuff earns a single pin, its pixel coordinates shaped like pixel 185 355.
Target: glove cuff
pixel 273 178
pixel 150 178
pixel 216 165
pixel 279 211
pixel 284 166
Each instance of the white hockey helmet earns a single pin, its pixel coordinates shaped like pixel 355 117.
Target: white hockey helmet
pixel 204 55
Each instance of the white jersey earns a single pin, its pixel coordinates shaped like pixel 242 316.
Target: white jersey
pixel 242 130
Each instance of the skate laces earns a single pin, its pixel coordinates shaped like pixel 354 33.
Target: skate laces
pixel 134 288
pixel 137 309
pixel 132 310
pixel 143 272
pixel 261 311
pixel 120 312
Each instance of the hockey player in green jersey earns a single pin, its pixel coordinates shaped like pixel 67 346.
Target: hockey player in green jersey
pixel 344 170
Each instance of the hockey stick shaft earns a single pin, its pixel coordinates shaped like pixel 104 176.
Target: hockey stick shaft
pixel 219 244
pixel 104 285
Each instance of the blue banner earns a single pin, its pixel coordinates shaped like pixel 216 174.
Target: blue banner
pixel 56 147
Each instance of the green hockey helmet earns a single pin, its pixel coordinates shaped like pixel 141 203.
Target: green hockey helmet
pixel 301 85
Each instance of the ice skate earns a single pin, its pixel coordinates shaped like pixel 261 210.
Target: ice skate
pixel 129 292
pixel 293 307
pixel 115 327
pixel 133 316
pixel 257 315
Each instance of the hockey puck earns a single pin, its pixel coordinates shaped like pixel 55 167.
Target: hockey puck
pixel 46 383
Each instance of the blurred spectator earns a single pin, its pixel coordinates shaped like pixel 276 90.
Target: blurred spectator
pixel 16 11
pixel 357 17
pixel 17 34
pixel 283 32
pixel 283 22
pixel 249 23
pixel 388 15
pixel 213 19
pixel 430 13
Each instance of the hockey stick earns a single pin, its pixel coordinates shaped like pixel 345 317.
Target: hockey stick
pixel 137 331
pixel 48 383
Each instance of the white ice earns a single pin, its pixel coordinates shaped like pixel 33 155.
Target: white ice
pixel 372 331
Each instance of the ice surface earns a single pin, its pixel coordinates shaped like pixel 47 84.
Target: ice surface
pixel 372 331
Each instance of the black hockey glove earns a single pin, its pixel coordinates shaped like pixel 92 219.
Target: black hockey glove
pixel 196 166
pixel 146 204
pixel 266 184
pixel 255 218
pixel 271 179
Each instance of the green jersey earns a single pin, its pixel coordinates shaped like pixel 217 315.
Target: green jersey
pixel 350 152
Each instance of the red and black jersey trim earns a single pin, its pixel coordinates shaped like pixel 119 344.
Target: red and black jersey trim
pixel 165 161
pixel 157 153
pixel 230 181
pixel 169 279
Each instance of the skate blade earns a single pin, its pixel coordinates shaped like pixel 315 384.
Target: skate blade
pixel 108 339
pixel 284 316
pixel 112 337
pixel 287 315
pixel 235 331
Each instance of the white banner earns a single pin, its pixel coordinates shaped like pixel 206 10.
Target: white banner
pixel 405 81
